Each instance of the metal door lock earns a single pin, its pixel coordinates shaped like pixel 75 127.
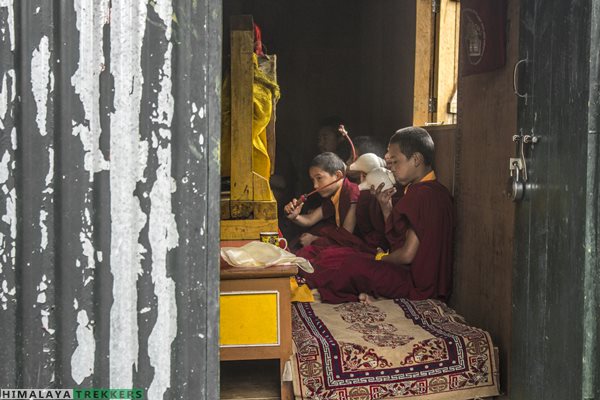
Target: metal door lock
pixel 518 165
pixel 516 186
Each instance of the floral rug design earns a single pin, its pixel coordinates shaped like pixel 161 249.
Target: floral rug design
pixel 389 349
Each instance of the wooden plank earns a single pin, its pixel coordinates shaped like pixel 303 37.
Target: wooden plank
pixel 228 272
pixel 240 209
pixel 446 73
pixel 261 188
pixel 423 41
pixel 225 210
pixel 237 229
pixel 265 209
pixel 250 209
pixel 435 66
pixel 485 218
pixel 242 71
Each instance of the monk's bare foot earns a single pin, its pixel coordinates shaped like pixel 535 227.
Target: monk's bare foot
pixel 365 298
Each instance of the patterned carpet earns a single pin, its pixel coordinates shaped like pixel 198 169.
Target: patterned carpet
pixel 389 349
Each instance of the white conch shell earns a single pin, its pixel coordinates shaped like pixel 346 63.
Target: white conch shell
pixel 376 177
pixel 366 162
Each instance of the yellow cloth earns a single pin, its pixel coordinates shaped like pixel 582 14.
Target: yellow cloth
pixel 300 293
pixel 381 254
pixel 429 177
pixel 264 92
pixel 335 199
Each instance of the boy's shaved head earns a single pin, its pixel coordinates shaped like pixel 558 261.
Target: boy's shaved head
pixel 413 140
pixel 328 162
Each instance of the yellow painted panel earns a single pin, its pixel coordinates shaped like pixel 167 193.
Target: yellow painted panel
pixel 249 319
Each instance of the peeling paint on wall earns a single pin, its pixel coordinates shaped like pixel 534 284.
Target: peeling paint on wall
pixel 50 174
pixel 4 171
pixel 8 145
pixel 8 221
pixel 91 17
pixel 9 76
pixel 162 233
pixel 128 160
pixel 8 4
pixel 41 81
pixel 43 229
pixel 45 309
pixel 82 361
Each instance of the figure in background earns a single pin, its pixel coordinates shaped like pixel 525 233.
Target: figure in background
pixel 328 136
pixel 418 227
pixel 338 208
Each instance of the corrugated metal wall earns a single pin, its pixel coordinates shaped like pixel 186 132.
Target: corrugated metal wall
pixel 109 174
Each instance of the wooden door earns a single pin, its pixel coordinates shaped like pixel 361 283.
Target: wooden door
pixel 555 290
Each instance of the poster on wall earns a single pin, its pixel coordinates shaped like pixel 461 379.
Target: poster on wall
pixel 483 35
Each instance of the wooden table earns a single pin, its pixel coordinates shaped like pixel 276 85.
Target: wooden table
pixel 256 319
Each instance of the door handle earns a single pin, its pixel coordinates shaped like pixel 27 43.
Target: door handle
pixel 516 80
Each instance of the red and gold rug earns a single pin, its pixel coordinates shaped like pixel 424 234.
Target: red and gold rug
pixel 389 349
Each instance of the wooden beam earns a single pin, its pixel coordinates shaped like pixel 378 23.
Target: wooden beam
pixel 240 229
pixel 242 73
pixel 436 60
pixel 423 41
pixel 446 72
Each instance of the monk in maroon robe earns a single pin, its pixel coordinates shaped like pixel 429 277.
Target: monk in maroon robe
pixel 418 227
pixel 336 216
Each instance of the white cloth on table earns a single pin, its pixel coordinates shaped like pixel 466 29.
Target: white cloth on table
pixel 257 254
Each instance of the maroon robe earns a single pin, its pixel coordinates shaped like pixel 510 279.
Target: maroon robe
pixel 342 273
pixel 348 196
pixel 370 226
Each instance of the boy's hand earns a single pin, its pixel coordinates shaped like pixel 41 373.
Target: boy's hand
pixel 292 209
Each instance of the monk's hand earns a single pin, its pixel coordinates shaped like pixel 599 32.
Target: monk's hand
pixel 292 209
pixel 384 197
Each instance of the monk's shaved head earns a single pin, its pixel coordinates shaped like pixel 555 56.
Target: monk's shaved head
pixel 413 140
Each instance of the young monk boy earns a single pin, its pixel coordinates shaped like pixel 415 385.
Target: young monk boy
pixel 338 209
pixel 418 228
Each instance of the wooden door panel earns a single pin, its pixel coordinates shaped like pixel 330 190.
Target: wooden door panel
pixel 549 272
